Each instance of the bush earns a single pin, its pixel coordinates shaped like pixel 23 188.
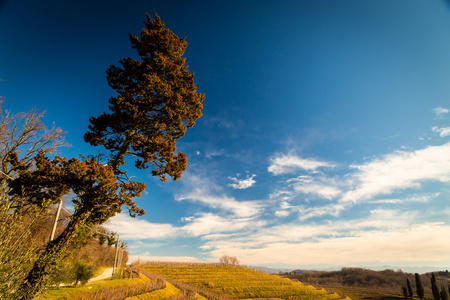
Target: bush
pixel 81 272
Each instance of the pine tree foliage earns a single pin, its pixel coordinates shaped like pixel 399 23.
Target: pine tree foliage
pixel 157 101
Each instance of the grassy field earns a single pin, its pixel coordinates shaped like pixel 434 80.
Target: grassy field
pixel 168 292
pixel 359 293
pixel 104 289
pixel 212 282
pixel 235 282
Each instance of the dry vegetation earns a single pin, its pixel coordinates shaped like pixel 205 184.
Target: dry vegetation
pixel 358 283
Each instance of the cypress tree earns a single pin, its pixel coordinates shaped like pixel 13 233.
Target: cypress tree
pixel 444 295
pixel 410 290
pixel 405 292
pixel 419 286
pixel 434 288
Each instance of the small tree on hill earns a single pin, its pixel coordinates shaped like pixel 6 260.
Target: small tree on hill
pixel 229 261
pixel 419 286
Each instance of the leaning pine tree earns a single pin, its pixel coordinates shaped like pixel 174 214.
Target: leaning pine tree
pixel 157 101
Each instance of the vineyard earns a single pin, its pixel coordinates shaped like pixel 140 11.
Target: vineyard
pixel 191 281
pixel 215 281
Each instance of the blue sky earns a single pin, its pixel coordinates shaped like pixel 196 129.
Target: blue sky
pixel 324 140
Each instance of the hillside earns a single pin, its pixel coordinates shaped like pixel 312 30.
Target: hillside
pixel 224 282
pixel 361 283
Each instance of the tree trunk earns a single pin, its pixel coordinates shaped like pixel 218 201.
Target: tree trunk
pixel 44 265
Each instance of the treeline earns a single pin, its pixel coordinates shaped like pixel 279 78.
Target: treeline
pixel 388 280
pixel 25 235
pixel 26 221
pixel 438 294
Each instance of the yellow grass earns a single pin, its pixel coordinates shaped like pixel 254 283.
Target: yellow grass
pixel 167 293
pixel 68 293
pixel 237 282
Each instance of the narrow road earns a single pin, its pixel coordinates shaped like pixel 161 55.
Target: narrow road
pixel 105 275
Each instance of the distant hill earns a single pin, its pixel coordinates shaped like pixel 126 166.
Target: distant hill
pixel 388 280
pixel 269 270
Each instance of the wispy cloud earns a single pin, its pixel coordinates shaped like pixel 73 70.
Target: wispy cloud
pixel 209 223
pixel 415 198
pixel 397 247
pixel 242 183
pixel 253 230
pixel 290 163
pixel 211 153
pixel 440 112
pixel 350 242
pixel 443 132
pixel 202 190
pixel 364 183
pixel 144 258
pixel 138 229
pixel 399 171
pixel 320 186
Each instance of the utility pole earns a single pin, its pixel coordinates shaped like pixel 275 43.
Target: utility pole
pixel 115 259
pixel 52 235
pixel 119 262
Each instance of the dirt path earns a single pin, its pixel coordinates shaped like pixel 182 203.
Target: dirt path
pixel 105 275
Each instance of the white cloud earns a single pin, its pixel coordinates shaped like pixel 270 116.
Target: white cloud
pixel 209 223
pixel 136 229
pixel 242 183
pixel 318 211
pixel 393 247
pixel 399 171
pixel 443 132
pixel 321 186
pixel 144 258
pixel 440 111
pixel 285 164
pixel 202 190
pixel 187 219
pixel 282 213
pixel 209 154
pixel 389 174
pixel 415 198
pixel 343 242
